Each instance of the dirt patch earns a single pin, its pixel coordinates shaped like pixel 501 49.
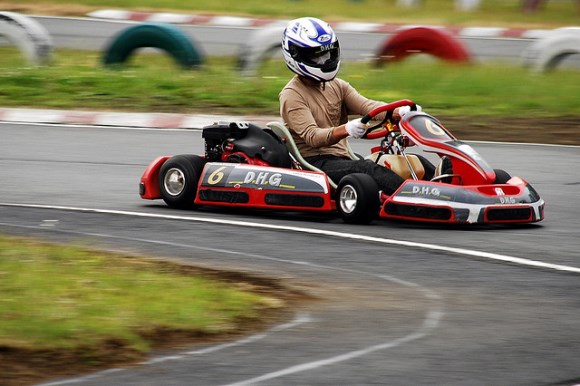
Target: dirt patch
pixel 48 9
pixel 74 10
pixel 557 131
pixel 26 366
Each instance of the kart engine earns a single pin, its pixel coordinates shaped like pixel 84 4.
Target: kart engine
pixel 218 135
pixel 240 142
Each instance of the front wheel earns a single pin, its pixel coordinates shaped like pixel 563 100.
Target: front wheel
pixel 178 179
pixel 501 176
pixel 358 198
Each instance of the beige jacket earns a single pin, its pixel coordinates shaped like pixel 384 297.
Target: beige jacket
pixel 311 112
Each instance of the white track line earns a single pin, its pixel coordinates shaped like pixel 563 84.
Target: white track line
pixel 433 247
pixel 430 321
pixel 298 320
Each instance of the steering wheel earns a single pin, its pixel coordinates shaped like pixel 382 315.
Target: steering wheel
pixel 388 108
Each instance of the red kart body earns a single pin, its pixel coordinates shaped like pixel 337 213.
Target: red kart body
pixel 246 166
pixel 244 185
pixel 473 196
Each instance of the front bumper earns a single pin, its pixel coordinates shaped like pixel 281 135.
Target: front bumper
pixel 514 202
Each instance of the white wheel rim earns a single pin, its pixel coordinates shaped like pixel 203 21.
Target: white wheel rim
pixel 348 199
pixel 174 182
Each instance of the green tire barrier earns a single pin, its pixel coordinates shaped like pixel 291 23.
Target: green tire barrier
pixel 165 37
pixel 31 38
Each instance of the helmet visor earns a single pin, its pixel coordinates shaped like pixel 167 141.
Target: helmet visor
pixel 325 57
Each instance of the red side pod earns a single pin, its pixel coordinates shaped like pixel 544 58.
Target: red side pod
pixel 149 185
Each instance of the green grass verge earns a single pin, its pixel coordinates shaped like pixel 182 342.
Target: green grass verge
pixel 490 12
pixel 153 83
pixel 54 296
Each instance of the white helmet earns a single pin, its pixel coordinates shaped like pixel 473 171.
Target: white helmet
pixel 311 49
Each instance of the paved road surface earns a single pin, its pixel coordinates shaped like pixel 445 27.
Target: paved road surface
pixel 388 313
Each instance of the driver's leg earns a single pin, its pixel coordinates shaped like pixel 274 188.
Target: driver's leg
pixel 336 168
pixel 428 166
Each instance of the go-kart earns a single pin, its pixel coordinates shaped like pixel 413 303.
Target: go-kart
pixel 261 168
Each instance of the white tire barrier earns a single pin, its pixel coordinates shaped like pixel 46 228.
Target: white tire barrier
pixel 408 3
pixel 261 45
pixel 545 54
pixel 461 5
pixel 467 5
pixel 31 38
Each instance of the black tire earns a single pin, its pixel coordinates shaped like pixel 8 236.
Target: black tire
pixel 357 198
pixel 178 179
pixel 166 37
pixel 501 176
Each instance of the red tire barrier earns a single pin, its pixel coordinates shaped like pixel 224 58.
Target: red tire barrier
pixel 424 40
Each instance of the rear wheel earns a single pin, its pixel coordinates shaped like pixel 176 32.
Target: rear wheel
pixel 358 198
pixel 178 179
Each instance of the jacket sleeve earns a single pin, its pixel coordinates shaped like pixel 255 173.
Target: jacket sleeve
pixel 298 118
pixel 355 103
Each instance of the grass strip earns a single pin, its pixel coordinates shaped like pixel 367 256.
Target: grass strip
pixel 62 297
pixel 153 83
pixel 490 12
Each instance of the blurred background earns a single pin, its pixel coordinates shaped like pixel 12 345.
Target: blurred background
pixel 485 59
pixel 501 70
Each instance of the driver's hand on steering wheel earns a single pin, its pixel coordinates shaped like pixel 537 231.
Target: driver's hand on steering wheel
pixel 355 128
pixel 399 112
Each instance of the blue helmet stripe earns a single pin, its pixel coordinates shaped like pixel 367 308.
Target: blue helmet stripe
pixel 319 29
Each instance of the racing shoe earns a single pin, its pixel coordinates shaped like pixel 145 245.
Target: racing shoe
pixel 445 167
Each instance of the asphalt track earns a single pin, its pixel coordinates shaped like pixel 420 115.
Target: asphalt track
pixel 400 304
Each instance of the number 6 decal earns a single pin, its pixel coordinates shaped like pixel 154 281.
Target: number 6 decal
pixel 433 128
pixel 216 176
